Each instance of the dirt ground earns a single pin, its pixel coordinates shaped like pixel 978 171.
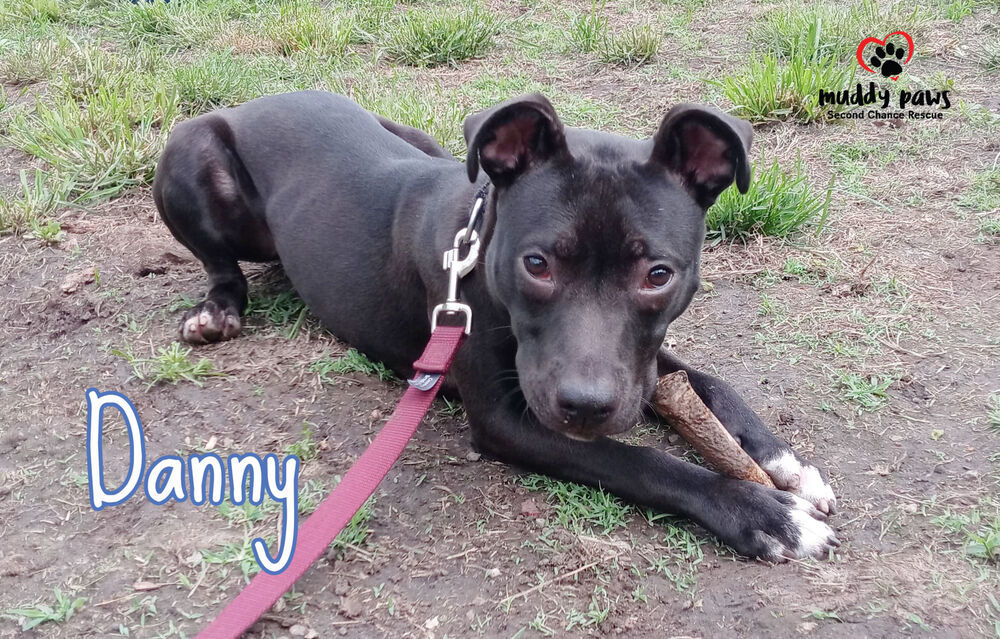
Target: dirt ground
pixel 900 286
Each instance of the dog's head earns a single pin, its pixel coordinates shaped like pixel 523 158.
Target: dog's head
pixel 595 248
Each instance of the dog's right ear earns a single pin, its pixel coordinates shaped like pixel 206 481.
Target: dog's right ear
pixel 510 138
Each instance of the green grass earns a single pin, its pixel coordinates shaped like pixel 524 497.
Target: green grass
pixel 433 37
pixel 868 393
pixel 978 532
pixel 428 109
pixel 984 192
pixel 172 364
pixel 350 362
pixel 768 88
pixel 33 615
pixel 588 31
pixel 777 204
pixel 635 45
pixel 109 141
pixel 580 508
pixel 854 162
pixel 284 309
pixel 829 30
pixel 29 209
pixel 303 26
pixel 993 412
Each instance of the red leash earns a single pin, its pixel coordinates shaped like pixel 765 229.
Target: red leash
pixel 317 532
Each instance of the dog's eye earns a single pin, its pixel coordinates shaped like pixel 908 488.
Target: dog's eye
pixel 537 266
pixel 658 276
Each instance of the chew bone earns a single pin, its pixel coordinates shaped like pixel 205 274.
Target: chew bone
pixel 677 402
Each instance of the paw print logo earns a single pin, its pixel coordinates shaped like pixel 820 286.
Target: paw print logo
pixel 888 58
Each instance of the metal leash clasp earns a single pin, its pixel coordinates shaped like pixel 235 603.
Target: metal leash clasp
pixel 458 267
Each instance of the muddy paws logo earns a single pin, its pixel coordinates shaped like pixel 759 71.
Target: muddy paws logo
pixel 887 57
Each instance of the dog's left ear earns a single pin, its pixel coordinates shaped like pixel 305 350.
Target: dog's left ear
pixel 705 148
pixel 510 138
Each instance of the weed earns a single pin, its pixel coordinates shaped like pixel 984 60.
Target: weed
pixel 867 393
pixel 581 508
pixel 39 198
pixel 350 362
pixel 303 26
pixel 49 232
pixel 993 412
pixel 832 30
pixel 282 309
pixel 770 89
pixel 777 204
pixel 633 46
pixel 306 448
pixel 108 142
pixel 956 10
pixel 596 613
pixel 439 116
pixel 171 364
pixel 588 31
pixel 428 38
pixel 984 192
pixel 355 533
pixel 32 615
pixel 978 533
pixel 31 10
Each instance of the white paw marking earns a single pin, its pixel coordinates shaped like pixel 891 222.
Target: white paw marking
pixel 802 480
pixel 814 535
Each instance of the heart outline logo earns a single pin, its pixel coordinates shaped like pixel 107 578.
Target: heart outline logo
pixel 867 41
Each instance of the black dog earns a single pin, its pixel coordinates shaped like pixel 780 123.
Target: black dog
pixel 591 246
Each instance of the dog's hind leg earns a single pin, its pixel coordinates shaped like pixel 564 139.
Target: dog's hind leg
pixel 209 203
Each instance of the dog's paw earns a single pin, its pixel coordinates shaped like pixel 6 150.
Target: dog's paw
pixel 208 322
pixel 804 535
pixel 775 525
pixel 788 473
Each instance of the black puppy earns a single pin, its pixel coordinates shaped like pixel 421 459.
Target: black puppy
pixel 591 246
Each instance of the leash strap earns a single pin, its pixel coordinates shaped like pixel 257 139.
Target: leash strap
pixel 320 529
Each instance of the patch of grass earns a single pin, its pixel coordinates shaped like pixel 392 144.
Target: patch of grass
pixel 990 226
pixel 170 25
pixel 216 80
pixel 305 448
pixel 956 10
pixel 33 615
pixel 989 56
pixel 17 11
pixel 432 37
pixel 852 161
pixel 29 209
pixel 993 412
pixel 108 141
pixel 977 531
pixel 304 26
pixel 777 204
pixel 355 534
pixel 868 393
pixel 588 31
pixel 171 364
pixel 350 362
pixel 284 309
pixel 830 30
pixel 581 508
pixel 594 616
pixel 771 89
pixel 635 45
pixel 436 114
pixel 984 192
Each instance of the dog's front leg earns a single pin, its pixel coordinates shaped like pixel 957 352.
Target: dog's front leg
pixel 754 520
pixel 788 471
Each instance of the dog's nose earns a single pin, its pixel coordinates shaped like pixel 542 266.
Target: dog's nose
pixel 591 402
